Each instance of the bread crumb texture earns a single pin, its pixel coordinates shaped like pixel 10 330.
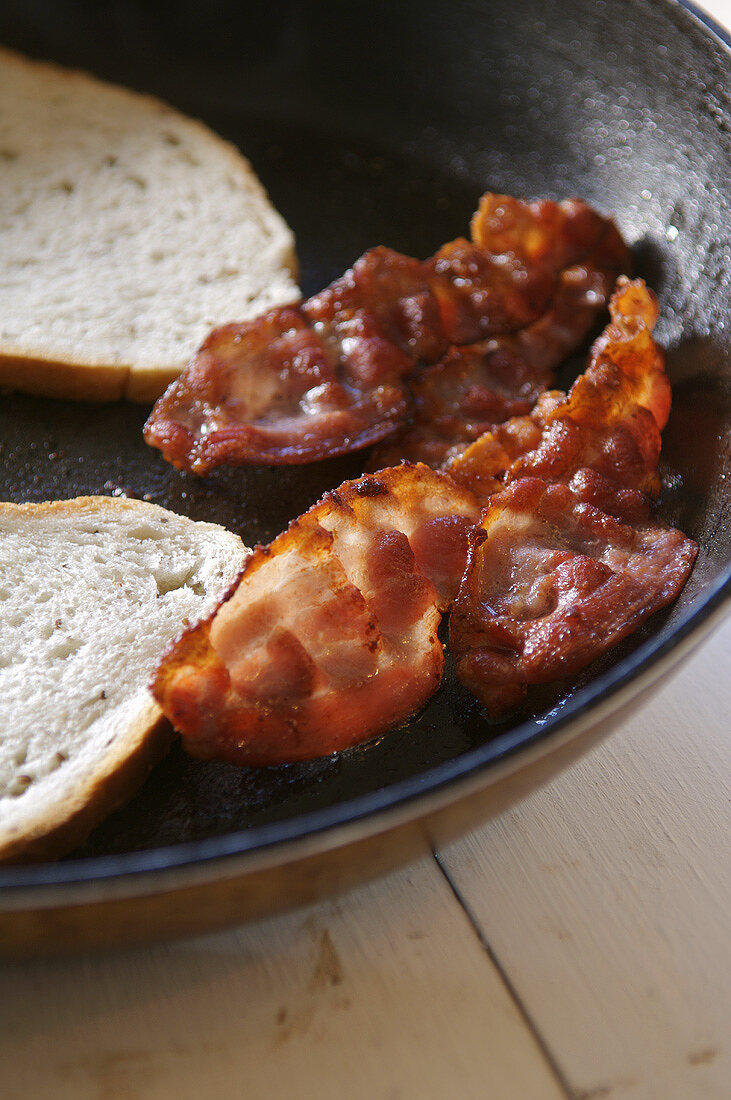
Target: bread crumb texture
pixel 127 231
pixel 91 594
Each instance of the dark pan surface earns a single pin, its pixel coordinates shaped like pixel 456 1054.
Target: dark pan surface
pixel 384 123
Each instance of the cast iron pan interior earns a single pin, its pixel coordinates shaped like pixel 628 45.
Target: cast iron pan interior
pixel 383 123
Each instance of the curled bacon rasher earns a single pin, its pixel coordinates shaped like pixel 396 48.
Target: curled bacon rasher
pixel 333 375
pixel 610 421
pixel 567 559
pixel 330 637
pixel 552 583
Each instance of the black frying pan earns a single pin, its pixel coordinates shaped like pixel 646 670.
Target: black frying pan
pixel 383 123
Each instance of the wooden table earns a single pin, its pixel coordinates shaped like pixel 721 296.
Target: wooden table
pixel 578 946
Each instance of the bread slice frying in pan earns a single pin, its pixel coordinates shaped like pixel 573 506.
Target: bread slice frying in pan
pixel 127 231
pixel 92 591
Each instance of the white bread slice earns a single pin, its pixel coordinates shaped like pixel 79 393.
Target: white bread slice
pixel 127 232
pixel 92 591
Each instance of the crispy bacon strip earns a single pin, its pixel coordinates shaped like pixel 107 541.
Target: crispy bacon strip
pixel 330 637
pixel 328 377
pixel 568 559
pixel 610 421
pixel 552 583
pixel 274 391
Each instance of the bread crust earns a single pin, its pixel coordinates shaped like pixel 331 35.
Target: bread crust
pixel 117 777
pixel 69 381
pixel 66 380
pixel 50 830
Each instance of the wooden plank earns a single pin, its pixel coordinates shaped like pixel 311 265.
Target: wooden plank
pixel 386 994
pixel 606 898
pixel 720 10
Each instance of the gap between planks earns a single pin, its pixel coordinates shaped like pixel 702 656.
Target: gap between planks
pixel 509 987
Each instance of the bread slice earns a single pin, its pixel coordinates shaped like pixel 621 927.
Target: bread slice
pixel 127 231
pixel 92 591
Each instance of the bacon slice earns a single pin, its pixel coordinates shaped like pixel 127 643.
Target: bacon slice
pixel 330 637
pixel 568 559
pixel 615 411
pixel 610 421
pixel 331 376
pixel 552 583
pixel 272 391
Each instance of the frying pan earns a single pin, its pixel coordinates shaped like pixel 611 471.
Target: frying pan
pixel 383 123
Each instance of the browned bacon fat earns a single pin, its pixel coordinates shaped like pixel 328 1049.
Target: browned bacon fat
pixel 330 637
pixel 304 383
pixel 552 583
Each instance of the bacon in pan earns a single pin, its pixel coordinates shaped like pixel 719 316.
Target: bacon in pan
pixel 568 559
pixel 330 637
pixel 610 421
pixel 334 374
pixel 552 583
